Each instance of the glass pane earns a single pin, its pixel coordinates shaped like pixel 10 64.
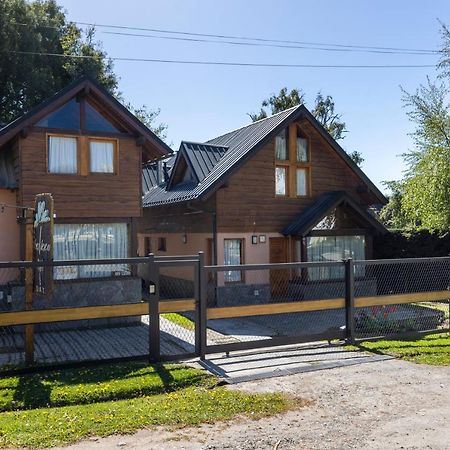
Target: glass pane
pixel 96 122
pixel 302 149
pixel 232 256
pixel 90 241
pixel 280 180
pixel 334 248
pixel 101 156
pixel 281 146
pixel 301 183
pixel 62 155
pixel 68 116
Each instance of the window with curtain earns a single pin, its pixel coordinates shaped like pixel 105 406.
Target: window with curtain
pixel 101 156
pixel 302 149
pixel 302 188
pixel 62 155
pixel 334 248
pixel 232 256
pixel 280 180
pixel 281 152
pixel 90 241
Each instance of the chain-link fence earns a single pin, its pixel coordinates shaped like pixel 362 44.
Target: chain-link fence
pixel 408 296
pixel 274 302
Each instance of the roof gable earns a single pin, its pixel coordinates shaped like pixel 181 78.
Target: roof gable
pixel 97 96
pixel 320 208
pixel 242 143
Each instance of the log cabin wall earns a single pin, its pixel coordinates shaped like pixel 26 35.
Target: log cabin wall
pixel 94 195
pixel 248 202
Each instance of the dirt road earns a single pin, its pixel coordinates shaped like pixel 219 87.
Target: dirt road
pixel 380 405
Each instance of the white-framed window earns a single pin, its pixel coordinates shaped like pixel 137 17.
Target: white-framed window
pixel 334 248
pixel 101 156
pixel 62 155
pixel 233 251
pixel 90 241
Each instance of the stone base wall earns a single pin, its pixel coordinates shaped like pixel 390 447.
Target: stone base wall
pixel 77 294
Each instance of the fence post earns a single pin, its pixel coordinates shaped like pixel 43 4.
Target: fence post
pixel 350 300
pixel 154 350
pixel 202 299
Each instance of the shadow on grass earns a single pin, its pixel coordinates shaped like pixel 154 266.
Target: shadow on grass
pixel 95 384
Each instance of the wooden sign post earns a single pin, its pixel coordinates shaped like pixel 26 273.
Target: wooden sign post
pixel 38 247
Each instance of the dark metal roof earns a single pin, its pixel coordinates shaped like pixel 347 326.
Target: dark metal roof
pixel 7 175
pixel 203 157
pixel 239 143
pixel 150 172
pixel 306 221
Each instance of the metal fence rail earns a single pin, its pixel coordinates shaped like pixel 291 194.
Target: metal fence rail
pixel 165 308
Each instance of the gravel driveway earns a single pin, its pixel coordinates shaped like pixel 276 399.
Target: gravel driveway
pixel 383 405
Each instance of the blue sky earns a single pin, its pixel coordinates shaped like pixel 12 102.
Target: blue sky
pixel 200 102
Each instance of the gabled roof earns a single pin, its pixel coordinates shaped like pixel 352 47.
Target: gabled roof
pixel 319 209
pixel 241 144
pixel 238 143
pixel 90 87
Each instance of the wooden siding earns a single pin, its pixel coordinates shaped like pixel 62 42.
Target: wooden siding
pixel 248 203
pixel 93 195
pixel 179 218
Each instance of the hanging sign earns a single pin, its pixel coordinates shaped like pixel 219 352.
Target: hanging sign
pixel 43 243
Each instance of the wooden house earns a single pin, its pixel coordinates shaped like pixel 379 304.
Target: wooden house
pixel 278 190
pixel 87 150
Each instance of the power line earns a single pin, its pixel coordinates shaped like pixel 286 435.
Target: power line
pixel 230 63
pixel 242 38
pixel 259 44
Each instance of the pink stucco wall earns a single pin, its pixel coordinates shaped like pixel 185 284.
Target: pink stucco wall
pixel 9 235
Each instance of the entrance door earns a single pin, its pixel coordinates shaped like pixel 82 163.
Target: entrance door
pixel 278 254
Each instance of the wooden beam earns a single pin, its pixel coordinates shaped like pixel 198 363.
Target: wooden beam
pixel 91 312
pixel 395 299
pixel 181 305
pixel 29 329
pixel 275 308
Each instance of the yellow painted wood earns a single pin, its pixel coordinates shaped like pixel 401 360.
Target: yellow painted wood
pixel 396 299
pixel 275 308
pixel 182 305
pixel 91 312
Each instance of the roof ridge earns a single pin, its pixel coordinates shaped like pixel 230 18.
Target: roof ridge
pixel 204 143
pixel 255 122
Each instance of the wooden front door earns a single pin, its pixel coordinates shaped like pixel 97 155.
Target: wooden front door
pixel 279 279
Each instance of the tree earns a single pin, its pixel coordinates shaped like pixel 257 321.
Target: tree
pixel 28 32
pixel 392 214
pixel 323 111
pixel 426 186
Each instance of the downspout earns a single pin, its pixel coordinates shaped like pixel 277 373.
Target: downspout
pixel 214 231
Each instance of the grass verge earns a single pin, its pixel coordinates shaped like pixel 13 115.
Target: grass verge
pixel 180 320
pixel 182 396
pixel 432 349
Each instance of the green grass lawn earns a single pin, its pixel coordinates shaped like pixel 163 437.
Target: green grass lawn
pixel 60 407
pixel 180 320
pixel 433 349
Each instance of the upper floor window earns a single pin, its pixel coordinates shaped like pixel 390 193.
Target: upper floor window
pixel 62 155
pixel 101 156
pixel 292 163
pixel 80 114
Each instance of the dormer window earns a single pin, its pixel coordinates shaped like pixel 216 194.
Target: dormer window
pixel 292 163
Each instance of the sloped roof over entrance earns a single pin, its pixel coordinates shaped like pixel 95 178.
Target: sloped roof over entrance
pixel 312 215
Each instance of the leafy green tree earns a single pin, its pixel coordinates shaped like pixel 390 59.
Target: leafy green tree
pixel 392 214
pixel 426 187
pixel 29 31
pixel 323 111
